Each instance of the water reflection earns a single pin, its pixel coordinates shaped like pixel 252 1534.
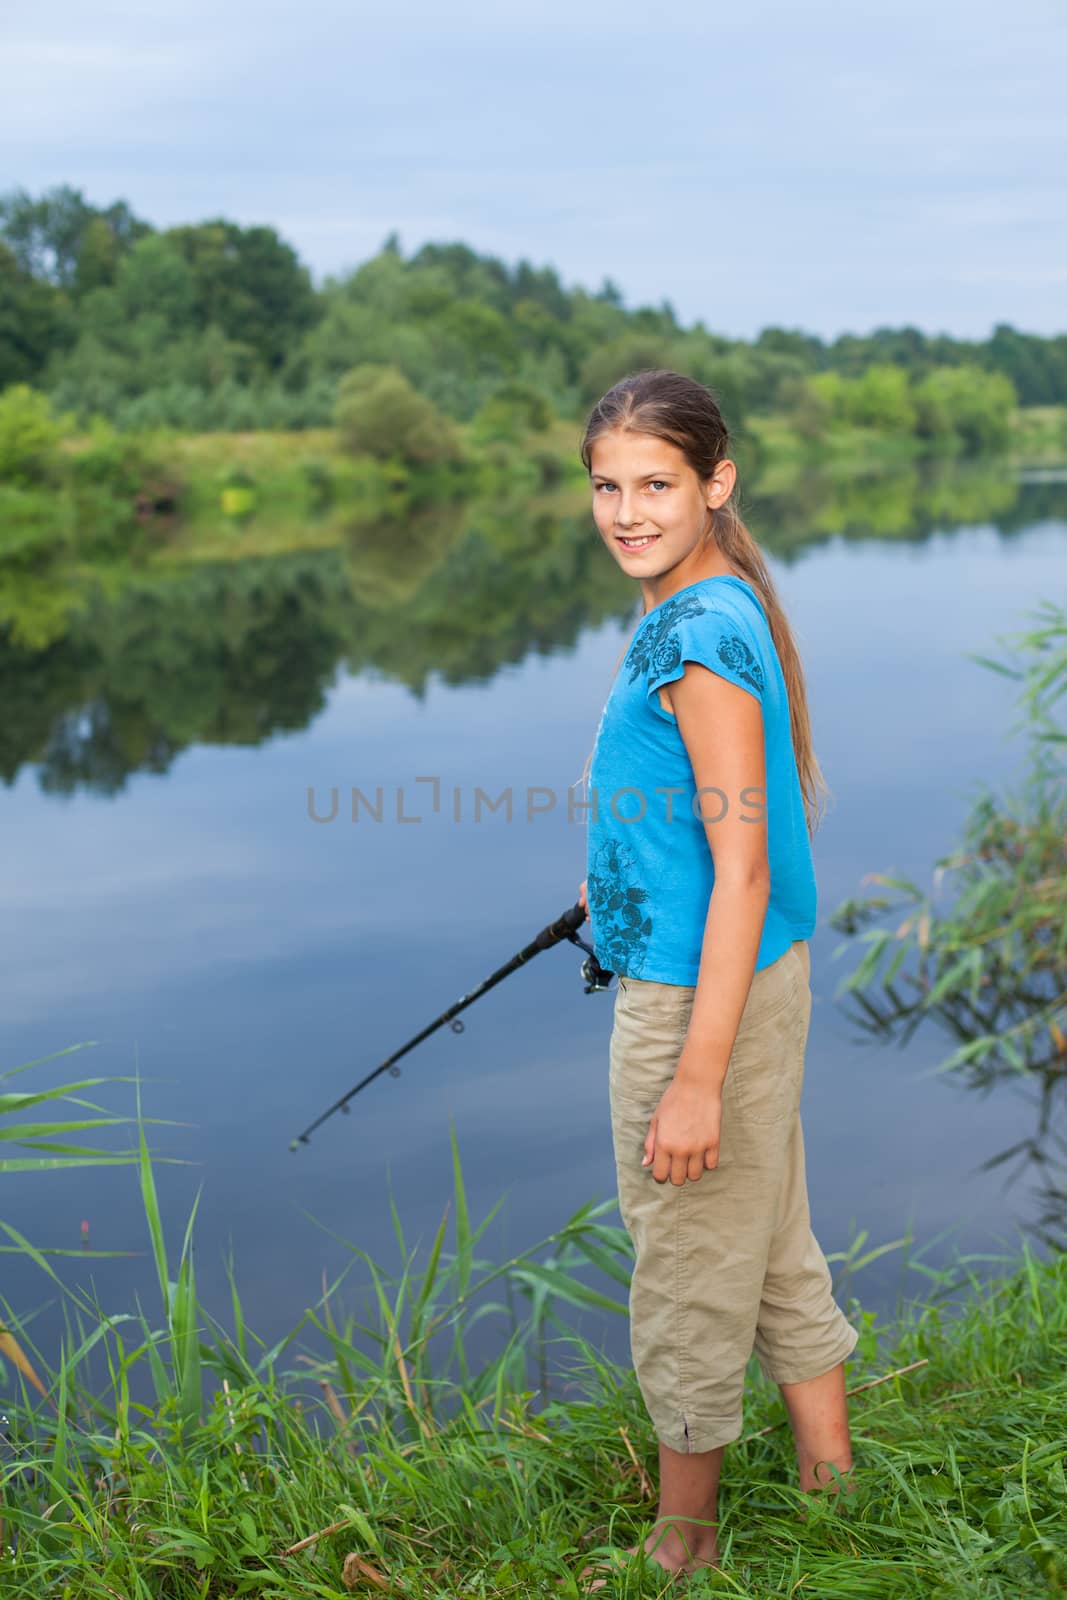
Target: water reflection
pixel 990 970
pixel 1038 1156
pixel 108 672
pixel 1042 1158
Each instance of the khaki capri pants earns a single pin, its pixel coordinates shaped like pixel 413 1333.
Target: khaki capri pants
pixel 728 1264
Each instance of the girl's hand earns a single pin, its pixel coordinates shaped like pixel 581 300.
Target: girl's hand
pixel 582 901
pixel 683 1136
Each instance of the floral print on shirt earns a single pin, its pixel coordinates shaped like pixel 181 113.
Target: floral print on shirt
pixel 657 649
pixel 622 928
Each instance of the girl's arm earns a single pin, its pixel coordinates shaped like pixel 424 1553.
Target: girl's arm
pixel 721 726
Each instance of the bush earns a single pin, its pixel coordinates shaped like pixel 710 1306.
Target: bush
pixel 117 483
pixel 809 404
pixel 119 461
pixel 881 399
pixel 29 436
pixel 513 411
pixel 33 526
pixel 966 405
pixel 381 414
pixel 319 484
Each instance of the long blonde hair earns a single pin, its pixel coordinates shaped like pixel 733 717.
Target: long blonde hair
pixel 668 405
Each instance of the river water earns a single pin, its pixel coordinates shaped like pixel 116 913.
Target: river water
pixel 168 895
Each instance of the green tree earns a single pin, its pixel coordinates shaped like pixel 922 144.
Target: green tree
pixel 351 334
pixel 99 254
pixel 806 349
pixel 45 235
pixel 250 284
pixel 380 413
pixel 1037 367
pixel 480 338
pixel 33 322
pixel 881 399
pixel 829 392
pixel 541 286
pixel 154 280
pixel 966 405
pixel 804 403
pixel 61 239
pixel 513 411
pixel 630 353
pixel 143 334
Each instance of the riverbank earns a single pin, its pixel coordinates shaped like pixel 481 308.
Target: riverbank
pixel 120 505
pixel 1033 436
pixel 354 1472
pixel 69 496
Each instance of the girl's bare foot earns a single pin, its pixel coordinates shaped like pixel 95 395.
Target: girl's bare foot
pixel 683 1536
pixel 666 1548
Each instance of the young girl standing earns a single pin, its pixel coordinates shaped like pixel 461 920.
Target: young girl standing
pixel 701 896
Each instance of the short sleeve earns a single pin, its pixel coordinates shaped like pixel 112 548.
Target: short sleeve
pixel 689 630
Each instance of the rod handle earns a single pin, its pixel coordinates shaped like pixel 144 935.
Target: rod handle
pixel 562 928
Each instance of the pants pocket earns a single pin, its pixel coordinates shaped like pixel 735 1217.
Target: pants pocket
pixel 646 1041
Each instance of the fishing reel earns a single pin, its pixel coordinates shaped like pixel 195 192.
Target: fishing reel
pixel 597 978
pixel 594 975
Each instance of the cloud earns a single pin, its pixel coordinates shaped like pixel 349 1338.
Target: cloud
pixel 765 165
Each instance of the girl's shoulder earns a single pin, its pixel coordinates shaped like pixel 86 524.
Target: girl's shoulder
pixel 701 608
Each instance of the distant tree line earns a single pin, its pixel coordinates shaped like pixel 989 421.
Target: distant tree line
pixel 211 325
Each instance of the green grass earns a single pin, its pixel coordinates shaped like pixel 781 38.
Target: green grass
pixel 174 1459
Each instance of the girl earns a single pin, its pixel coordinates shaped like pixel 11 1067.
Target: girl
pixel 701 895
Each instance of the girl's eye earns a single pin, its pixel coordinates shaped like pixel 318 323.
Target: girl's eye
pixel 653 484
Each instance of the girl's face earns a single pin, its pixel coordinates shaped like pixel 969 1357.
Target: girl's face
pixel 653 511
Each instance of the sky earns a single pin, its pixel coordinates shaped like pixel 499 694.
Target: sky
pixel 823 167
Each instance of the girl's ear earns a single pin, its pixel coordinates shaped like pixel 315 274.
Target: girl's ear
pixel 721 483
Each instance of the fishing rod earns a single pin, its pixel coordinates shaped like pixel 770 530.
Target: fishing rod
pixel 564 927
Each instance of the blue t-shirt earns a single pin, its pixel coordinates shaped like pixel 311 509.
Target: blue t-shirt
pixel 649 867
